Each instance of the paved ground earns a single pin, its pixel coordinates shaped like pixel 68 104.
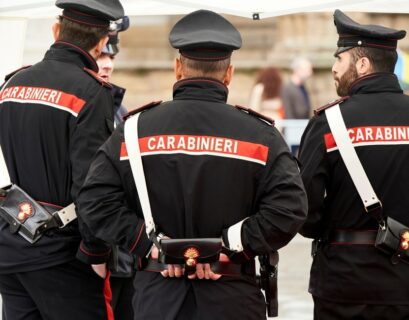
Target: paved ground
pixel 294 301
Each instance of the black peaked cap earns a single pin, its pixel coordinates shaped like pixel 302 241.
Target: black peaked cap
pixel 205 35
pixel 96 13
pixel 352 34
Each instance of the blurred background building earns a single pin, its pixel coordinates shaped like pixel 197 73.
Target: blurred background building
pixel 145 62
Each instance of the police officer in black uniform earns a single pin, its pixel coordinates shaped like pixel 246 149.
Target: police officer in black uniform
pixel 212 170
pixel 350 278
pixel 121 263
pixel 54 115
pixel 106 66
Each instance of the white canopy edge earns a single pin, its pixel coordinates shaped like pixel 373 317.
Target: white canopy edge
pixel 14 14
pixel 265 8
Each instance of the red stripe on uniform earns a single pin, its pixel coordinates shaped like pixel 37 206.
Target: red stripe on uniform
pixel 123 153
pixel 108 297
pixel 372 135
pixel 201 145
pixel 45 96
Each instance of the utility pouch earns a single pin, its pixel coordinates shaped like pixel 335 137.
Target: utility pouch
pixel 393 239
pixel 25 215
pixel 189 252
pixel 121 263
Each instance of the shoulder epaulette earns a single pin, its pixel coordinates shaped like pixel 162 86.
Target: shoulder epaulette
pixel 7 77
pixel 328 105
pixel 256 114
pixel 140 109
pixel 98 78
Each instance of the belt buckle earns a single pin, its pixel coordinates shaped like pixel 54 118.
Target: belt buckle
pixel 375 210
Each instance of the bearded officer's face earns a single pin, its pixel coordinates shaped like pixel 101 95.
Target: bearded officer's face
pixel 344 72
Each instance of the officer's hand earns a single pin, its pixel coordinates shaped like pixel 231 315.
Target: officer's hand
pixel 100 269
pixel 174 270
pixel 205 271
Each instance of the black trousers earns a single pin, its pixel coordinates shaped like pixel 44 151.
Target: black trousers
pixel 328 310
pixel 158 298
pixel 70 291
pixel 122 293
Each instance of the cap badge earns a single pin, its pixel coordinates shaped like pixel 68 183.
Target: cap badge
pixel 26 211
pixel 190 255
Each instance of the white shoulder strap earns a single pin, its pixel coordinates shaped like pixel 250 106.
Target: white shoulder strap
pixel 351 160
pixel 135 159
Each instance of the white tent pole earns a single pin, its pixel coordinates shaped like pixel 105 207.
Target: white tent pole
pixel 13 32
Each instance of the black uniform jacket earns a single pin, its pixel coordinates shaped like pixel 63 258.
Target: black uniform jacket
pixel 377 117
pixel 208 165
pixel 53 118
pixel 119 109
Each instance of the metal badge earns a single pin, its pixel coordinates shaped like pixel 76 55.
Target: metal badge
pixel 26 211
pixel 191 254
pixel 404 241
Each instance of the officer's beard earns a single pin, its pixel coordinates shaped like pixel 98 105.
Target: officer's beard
pixel 346 80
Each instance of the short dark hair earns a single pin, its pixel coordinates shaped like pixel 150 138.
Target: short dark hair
pixel 381 60
pixel 85 37
pixel 201 68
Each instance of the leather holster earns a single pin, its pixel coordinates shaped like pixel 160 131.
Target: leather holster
pixel 189 252
pixel 393 239
pixel 25 215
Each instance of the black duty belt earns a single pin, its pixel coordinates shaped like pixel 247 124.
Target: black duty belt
pixel 223 268
pixel 350 237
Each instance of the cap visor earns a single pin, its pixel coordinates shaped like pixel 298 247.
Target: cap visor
pixel 341 49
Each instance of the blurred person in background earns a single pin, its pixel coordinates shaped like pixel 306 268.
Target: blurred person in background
pixel 295 96
pixel 265 96
pixel 106 67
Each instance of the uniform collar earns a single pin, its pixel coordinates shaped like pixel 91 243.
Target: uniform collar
pixel 374 83
pixel 207 89
pixel 65 51
pixel 118 94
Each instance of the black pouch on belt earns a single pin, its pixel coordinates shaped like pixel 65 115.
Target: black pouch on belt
pixel 189 252
pixel 25 215
pixel 393 239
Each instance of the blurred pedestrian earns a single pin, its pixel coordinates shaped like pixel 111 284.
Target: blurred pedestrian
pixel 265 95
pixel 295 95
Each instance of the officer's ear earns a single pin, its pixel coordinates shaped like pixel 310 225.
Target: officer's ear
pixel 56 30
pixel 363 66
pixel 228 75
pixel 178 69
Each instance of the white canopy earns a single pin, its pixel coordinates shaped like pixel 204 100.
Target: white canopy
pixel 14 14
pixel 265 8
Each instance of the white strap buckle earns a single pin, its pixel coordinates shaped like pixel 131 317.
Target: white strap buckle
pixel 66 215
